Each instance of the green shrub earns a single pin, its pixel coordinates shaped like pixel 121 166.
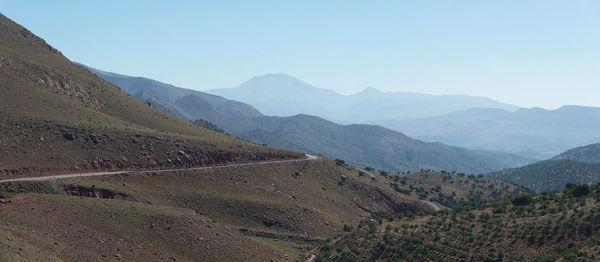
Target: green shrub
pixel 581 191
pixel 522 200
pixel 347 228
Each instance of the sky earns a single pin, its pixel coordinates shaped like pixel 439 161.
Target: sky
pixel 528 53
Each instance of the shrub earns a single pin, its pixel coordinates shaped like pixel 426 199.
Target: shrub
pixel 347 228
pixel 484 216
pixel 569 186
pixel 522 200
pixel 340 162
pixel 582 190
pixel 372 228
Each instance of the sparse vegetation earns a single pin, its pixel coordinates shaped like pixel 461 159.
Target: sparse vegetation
pixel 208 125
pixel 530 228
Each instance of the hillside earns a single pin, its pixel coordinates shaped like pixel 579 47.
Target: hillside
pixel 270 211
pixel 533 132
pixel 367 145
pixel 548 227
pixel 284 95
pixel 586 154
pixel 579 165
pixel 251 213
pixel 442 189
pixel 550 174
pixel 361 145
pixel 59 117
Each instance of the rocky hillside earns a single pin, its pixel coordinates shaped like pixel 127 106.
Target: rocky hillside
pixel 59 117
pixel 272 211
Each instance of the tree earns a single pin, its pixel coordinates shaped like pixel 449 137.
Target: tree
pixel 522 200
pixel 582 190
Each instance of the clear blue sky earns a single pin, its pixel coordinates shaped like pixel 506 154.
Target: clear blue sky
pixel 530 53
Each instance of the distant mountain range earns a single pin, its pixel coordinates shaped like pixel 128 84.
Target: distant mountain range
pixel 466 121
pixel 534 132
pixel 362 145
pixel 184 103
pixel 365 145
pixel 580 165
pixel 283 95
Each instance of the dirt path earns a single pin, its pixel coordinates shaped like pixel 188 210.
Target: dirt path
pixel 65 176
pixel 311 258
pixel 433 205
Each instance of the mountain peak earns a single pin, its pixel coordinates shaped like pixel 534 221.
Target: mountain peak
pixel 273 83
pixel 371 91
pixel 274 79
pixel 276 75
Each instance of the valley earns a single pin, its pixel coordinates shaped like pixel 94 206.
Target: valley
pixel 104 166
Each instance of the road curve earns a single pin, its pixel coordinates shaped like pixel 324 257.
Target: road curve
pixel 65 176
pixel 433 205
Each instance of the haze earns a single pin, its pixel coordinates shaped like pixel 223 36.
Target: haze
pixel 526 53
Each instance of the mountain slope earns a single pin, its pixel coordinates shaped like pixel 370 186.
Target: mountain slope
pixel 361 145
pixel 550 174
pixel 272 211
pixel 177 101
pixel 366 145
pixel 59 117
pixel 283 95
pixel 586 154
pixel 579 166
pixel 531 132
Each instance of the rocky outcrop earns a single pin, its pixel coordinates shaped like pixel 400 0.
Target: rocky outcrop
pixel 95 192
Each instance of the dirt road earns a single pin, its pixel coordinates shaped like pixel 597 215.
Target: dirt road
pixel 65 176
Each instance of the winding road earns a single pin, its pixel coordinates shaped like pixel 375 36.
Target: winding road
pixel 65 176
